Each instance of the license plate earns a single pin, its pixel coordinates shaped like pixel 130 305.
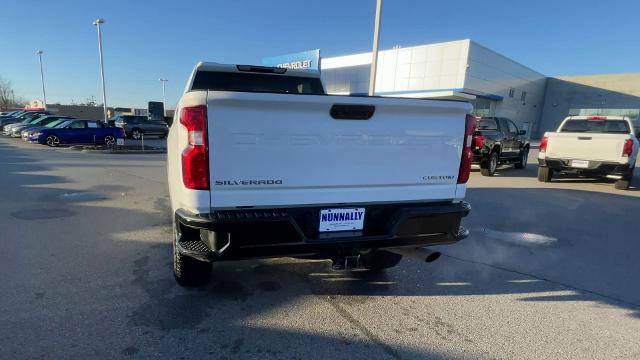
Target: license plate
pixel 119 141
pixel 580 164
pixel 341 219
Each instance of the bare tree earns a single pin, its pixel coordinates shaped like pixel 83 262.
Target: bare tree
pixel 7 96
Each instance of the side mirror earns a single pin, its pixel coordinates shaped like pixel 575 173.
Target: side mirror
pixel 168 120
pixel 522 132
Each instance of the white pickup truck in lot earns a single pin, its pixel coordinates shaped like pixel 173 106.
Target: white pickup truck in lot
pixel 600 146
pixel 262 163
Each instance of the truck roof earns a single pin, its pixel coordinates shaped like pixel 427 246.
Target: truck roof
pixel 236 68
pixel 213 66
pixel 597 117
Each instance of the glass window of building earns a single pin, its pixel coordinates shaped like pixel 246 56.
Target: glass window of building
pixel 483 107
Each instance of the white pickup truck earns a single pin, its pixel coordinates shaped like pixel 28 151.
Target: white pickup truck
pixel 600 146
pixel 262 163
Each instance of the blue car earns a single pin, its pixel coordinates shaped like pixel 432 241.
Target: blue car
pixel 27 134
pixel 86 132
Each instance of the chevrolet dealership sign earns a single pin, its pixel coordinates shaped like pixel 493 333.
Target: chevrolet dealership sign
pixel 308 60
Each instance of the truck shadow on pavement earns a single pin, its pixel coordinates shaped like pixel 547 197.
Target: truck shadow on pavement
pixel 534 251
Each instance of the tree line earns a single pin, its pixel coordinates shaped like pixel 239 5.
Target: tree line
pixel 8 98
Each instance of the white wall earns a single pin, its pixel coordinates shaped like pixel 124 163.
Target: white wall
pixel 430 67
pixel 495 74
pixel 461 66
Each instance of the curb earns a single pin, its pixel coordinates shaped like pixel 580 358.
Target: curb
pixel 124 151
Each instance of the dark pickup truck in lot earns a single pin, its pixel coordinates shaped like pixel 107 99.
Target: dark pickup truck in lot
pixel 137 126
pixel 498 141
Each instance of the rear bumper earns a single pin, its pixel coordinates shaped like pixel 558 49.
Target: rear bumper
pixel 479 155
pixel 594 168
pixel 245 234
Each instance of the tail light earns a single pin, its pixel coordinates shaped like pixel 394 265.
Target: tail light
pixel 479 141
pixel 195 158
pixel 543 144
pixel 465 161
pixel 627 150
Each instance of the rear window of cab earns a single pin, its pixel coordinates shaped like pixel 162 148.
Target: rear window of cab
pixel 487 124
pixel 596 126
pixel 252 82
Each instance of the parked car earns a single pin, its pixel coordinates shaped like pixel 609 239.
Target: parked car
pixel 79 132
pixel 9 113
pixel 27 134
pixel 261 163
pixel 16 129
pixel 498 141
pixel 22 117
pixel 137 126
pixel 600 146
pixel 28 119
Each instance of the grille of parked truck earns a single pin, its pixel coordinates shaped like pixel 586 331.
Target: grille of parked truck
pixel 262 163
pixel 594 146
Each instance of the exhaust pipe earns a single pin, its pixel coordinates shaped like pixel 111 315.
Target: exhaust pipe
pixel 420 253
pixel 345 262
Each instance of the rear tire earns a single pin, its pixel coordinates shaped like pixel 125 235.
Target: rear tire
pixel 188 271
pixel 377 260
pixel 622 184
pixel 545 174
pixel 524 157
pixel 625 182
pixel 489 166
pixel 52 140
pixel 136 134
pixel 109 140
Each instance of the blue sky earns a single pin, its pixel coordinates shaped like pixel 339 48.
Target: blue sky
pixel 143 42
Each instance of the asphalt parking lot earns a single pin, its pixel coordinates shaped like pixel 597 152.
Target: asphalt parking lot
pixel 550 271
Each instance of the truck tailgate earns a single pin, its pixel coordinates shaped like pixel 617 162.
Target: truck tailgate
pixel 279 149
pixel 586 146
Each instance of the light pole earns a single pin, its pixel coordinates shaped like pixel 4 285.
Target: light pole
pixel 44 94
pixel 164 104
pixel 97 23
pixel 374 52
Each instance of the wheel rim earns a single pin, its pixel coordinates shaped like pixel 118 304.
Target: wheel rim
pixel 53 140
pixel 136 134
pixel 109 140
pixel 493 164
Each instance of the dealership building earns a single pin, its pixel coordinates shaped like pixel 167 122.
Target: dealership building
pixel 493 83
